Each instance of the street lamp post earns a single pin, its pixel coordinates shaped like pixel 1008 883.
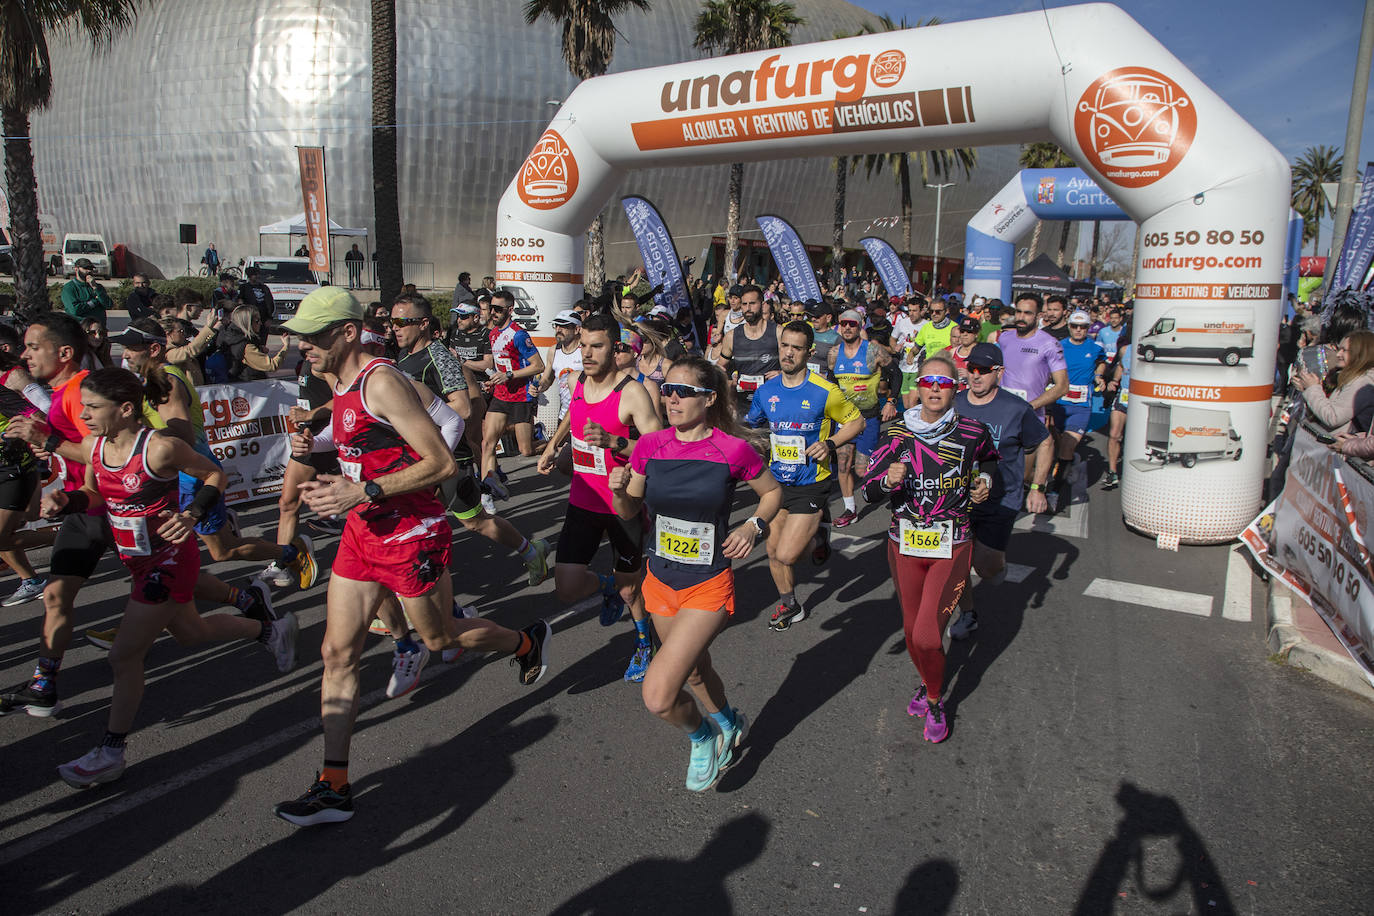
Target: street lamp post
pixel 939 199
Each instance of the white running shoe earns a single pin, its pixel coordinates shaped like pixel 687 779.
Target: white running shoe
pixel 405 670
pixel 28 590
pixel 461 612
pixel 282 641
pixel 102 764
pixel 277 576
pixel 488 504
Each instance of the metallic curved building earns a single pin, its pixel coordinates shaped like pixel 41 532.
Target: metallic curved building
pixel 192 116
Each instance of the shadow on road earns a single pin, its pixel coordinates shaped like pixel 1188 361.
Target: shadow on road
pixel 929 890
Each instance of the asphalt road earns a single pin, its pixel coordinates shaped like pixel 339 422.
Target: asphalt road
pixel 1132 753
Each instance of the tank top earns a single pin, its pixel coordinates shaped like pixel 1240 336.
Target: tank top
pixel 754 359
pixel 196 413
pixel 820 354
pixel 565 366
pixel 13 452
pixel 858 383
pixel 134 496
pixel 591 488
pixel 370 448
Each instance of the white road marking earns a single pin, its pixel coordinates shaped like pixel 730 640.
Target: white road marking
pixel 852 546
pixel 1236 604
pixel 1149 596
pixel 63 830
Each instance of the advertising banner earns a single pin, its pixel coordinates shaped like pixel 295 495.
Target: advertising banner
pixel 656 248
pixel 316 206
pixel 888 264
pixel 247 426
pixel 789 253
pixel 1359 238
pixel 1313 540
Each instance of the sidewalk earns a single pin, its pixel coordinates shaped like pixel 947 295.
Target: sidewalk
pixel 1302 639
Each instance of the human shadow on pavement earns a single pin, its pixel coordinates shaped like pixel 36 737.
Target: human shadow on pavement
pixel 929 890
pixel 677 888
pixel 1133 860
pixel 818 674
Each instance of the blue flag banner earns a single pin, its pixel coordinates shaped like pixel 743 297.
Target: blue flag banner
pixel 656 248
pixel 1359 238
pixel 888 264
pixel 790 255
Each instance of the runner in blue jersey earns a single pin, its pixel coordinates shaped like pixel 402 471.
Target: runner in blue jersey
pixel 1086 362
pixel 808 418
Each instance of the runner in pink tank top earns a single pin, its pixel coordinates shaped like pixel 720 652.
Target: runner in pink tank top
pixel 592 464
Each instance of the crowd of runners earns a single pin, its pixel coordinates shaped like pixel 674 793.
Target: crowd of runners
pixel 951 417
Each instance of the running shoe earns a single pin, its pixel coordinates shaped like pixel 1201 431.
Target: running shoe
pixel 327 525
pixel 377 628
pixel 966 624
pixel 497 486
pixel 919 705
pixel 231 521
pixel 732 738
pixel 612 606
pixel 1112 481
pixel 305 565
pixel 785 616
pixel 28 590
pixel 101 764
pixel 533 664
pixel 102 639
pixel 281 641
pixel 405 670
pixel 274 574
pixel 501 475
pixel 539 566
pixel 261 595
pixel 639 663
pixel 488 504
pixel 846 518
pixel 321 804
pixel 937 726
pixel 703 766
pixel 25 699
pixel 462 612
pixel 821 552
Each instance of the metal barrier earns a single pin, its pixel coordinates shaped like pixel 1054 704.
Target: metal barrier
pixel 421 273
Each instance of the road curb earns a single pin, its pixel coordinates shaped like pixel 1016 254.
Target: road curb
pixel 1287 642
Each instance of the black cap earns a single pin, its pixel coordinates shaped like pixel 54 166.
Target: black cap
pixel 138 339
pixel 736 291
pixel 971 326
pixel 85 264
pixel 816 309
pixel 985 356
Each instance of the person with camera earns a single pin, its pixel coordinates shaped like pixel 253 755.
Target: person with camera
pixel 82 297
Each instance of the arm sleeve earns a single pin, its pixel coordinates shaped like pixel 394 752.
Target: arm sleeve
pixel 38 396
pixel 450 370
pixel 450 424
pixel 323 440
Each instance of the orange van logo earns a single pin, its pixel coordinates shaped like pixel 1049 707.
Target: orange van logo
pixel 1134 125
pixel 548 178
pixel 888 68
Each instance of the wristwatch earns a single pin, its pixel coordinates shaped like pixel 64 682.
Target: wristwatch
pixel 1036 486
pixel 372 490
pixel 760 526
pixel 620 444
pixel 51 443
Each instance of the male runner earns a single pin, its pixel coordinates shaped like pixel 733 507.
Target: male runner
pixel 1072 413
pixel 470 342
pixel 751 349
pixel 937 333
pixel 608 413
pixel 1054 321
pixel 564 361
pixel 1016 432
pixel 1034 368
pixel 822 318
pixel 857 366
pixel 808 419
pixel 396 540
pixel 516 361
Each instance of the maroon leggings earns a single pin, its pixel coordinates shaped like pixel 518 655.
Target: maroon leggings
pixel 928 591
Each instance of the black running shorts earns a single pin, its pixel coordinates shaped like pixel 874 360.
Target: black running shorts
pixel 582 533
pixel 81 542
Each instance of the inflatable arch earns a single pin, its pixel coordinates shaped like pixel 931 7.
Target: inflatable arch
pixel 1210 194
pixel 1062 194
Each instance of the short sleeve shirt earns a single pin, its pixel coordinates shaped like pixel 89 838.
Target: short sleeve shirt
pixel 797 419
pixel 1015 430
pixel 435 368
pixel 511 350
pixel 1028 363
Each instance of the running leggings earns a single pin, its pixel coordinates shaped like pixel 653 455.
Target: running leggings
pixel 928 591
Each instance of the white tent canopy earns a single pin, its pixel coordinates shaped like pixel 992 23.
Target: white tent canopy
pixel 295 225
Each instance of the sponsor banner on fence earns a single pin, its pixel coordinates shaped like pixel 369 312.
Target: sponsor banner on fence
pixel 246 424
pixel 1313 539
pixel 888 264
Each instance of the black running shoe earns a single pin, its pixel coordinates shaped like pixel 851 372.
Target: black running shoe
pixel 321 804
pixel 327 525
pixel 786 615
pixel 533 664
pixel 1112 481
pixel 261 596
pixel 25 699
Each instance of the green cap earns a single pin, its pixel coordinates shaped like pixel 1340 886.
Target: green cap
pixel 324 307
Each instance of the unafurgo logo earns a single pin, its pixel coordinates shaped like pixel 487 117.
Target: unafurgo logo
pixel 1134 125
pixel 548 179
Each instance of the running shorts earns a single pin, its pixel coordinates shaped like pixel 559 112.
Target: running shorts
pixel 17 486
pixel 716 593
pixel 582 533
pixel 1121 398
pixel 81 542
pixel 807 498
pixel 404 553
pixel 461 494
pixel 168 575
pixel 1070 418
pixel 215 519
pixel 322 462
pixel 516 412
pixel 866 443
pixel 992 525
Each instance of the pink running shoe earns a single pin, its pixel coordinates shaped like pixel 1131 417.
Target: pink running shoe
pixel 937 726
pixel 919 706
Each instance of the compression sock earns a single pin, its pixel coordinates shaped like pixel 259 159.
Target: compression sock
pixel 405 645
pixel 703 732
pixel 526 550
pixel 239 598
pixel 289 555
pixel 607 585
pixel 45 675
pixel 788 598
pixel 114 740
pixel 335 773
pixel 725 718
pixel 642 631
pixel 848 503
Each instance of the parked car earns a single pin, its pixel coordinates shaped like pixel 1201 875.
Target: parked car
pixel 78 245
pixel 289 279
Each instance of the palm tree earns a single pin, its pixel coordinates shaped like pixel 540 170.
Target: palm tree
pixel 386 202
pixel 26 87
pixel 588 46
pixel 1318 165
pixel 736 27
pixel 1046 155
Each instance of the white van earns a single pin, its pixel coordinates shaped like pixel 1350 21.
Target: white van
pixel 1225 333
pixel 289 279
pixel 78 245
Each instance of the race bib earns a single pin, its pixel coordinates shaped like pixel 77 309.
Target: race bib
pixel 1078 394
pixel 931 542
pixel 1124 397
pixel 788 449
pixel 693 543
pixel 750 382
pixel 589 459
pixel 815 367
pixel 131 536
pixel 503 364
pixel 353 470
pixel 1020 393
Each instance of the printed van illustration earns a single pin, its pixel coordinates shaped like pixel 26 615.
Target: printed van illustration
pixel 1225 333
pixel 1186 434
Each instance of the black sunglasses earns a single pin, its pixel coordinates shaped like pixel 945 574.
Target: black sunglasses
pixel 407 322
pixel 679 390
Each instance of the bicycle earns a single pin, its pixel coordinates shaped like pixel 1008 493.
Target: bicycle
pixel 236 271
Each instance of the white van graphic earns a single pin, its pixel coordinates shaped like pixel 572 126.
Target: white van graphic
pixel 1226 333
pixel 1186 434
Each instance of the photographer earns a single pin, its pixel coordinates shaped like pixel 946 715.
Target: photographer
pixel 82 297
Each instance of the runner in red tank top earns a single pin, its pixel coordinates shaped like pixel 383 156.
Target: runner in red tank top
pixel 132 476
pixel 396 538
pixel 609 411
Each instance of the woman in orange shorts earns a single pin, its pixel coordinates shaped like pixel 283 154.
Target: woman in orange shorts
pixel 687 474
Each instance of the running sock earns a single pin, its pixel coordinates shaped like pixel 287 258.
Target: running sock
pixel 642 631
pixel 289 554
pixel 240 598
pixel 526 550
pixel 848 503
pixel 607 585
pixel 45 675
pixel 114 740
pixel 335 773
pixel 526 644
pixel 788 598
pixel 405 645
pixel 725 718
pixel 703 732
pixel 265 634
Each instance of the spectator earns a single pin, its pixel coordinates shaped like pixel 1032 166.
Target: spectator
pixel 164 306
pixel 140 301
pixel 226 295
pixel 303 252
pixel 256 293
pixel 1354 365
pixel 354 262
pixel 247 361
pixel 211 260
pixel 464 292
pixel 98 345
pixel 82 297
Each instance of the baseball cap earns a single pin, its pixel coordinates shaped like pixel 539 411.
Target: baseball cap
pixel 85 263
pixel 971 326
pixel 465 308
pixel 137 338
pixel 567 317
pixel 1080 317
pixel 851 315
pixel 895 300
pixel 659 311
pixel 985 355
pixel 323 307
pixel 736 291
pixel 816 309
